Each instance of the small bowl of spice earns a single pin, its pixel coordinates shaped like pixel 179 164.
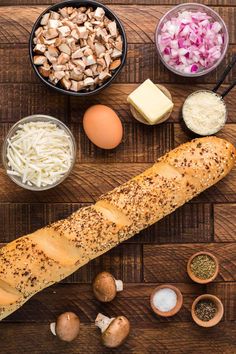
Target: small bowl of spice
pixel 203 267
pixel 166 300
pixel 207 310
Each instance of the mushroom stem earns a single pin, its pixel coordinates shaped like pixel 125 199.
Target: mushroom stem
pixel 53 328
pixel 103 322
pixel 119 285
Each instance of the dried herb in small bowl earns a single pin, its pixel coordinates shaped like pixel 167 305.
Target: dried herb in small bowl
pixel 205 310
pixel 203 266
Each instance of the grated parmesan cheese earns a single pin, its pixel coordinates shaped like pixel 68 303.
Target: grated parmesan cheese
pixel 39 153
pixel 204 112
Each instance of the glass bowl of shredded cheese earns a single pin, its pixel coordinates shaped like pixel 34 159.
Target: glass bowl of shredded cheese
pixel 39 152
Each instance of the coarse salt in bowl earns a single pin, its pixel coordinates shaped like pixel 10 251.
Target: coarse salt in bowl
pixel 191 39
pixel 39 152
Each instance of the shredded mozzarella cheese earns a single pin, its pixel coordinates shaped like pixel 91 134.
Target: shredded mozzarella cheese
pixel 39 153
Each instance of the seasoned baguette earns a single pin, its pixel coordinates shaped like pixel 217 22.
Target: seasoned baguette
pixel 33 262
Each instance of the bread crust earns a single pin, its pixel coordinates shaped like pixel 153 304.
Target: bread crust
pixel 34 262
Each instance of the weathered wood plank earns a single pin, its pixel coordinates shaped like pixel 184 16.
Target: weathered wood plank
pixel 140 143
pixel 24 218
pixel 191 223
pixel 227 293
pixel 62 106
pixel 116 97
pixel 88 181
pixel 123 261
pixel 160 338
pixel 182 134
pixel 139 21
pixel 121 2
pixel 166 263
pixel 142 63
pixel 133 301
pixel 157 140
pixel 225 223
pixel 21 100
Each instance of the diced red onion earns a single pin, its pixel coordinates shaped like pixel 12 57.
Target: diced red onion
pixel 191 41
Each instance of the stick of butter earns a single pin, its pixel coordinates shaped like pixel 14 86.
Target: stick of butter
pixel 150 102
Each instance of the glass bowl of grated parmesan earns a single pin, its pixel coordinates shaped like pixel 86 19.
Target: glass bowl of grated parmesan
pixel 39 152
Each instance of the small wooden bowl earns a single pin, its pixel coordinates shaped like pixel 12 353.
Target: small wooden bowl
pixel 178 304
pixel 140 118
pixel 193 276
pixel 219 314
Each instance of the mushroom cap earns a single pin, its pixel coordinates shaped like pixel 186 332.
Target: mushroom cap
pixel 67 326
pixel 116 332
pixel 104 287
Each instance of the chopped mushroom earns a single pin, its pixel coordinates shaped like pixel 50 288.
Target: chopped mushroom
pixel 63 58
pixel 99 13
pixel 45 19
pixel 53 23
pixel 77 85
pixel 105 286
pixel 39 59
pixel 116 53
pixel 65 48
pixel 44 71
pixel 83 32
pixel 64 31
pixel 53 51
pixel 79 48
pixel 114 330
pixel 51 33
pixel 66 327
pixel 77 54
pixel 66 83
pixel 112 28
pixel 40 48
pixel 115 64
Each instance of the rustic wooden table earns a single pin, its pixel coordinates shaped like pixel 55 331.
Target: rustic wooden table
pixel 157 255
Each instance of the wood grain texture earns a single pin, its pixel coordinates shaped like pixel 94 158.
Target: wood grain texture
pixel 122 2
pixel 88 181
pixel 160 138
pixel 191 223
pixel 227 293
pixel 139 21
pixel 124 262
pixel 158 254
pixel 225 222
pixel 142 63
pixel 156 339
pixel 72 109
pixel 166 263
pixel 133 302
pixel 116 97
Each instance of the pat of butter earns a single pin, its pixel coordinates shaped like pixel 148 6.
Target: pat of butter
pixel 150 102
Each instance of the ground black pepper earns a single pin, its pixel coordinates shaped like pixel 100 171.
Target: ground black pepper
pixel 205 310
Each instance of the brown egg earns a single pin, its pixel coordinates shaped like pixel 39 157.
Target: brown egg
pixel 103 126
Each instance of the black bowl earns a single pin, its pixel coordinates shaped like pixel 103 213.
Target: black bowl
pixel 88 3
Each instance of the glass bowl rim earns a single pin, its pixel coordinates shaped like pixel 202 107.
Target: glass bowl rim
pixel 35 117
pixel 225 31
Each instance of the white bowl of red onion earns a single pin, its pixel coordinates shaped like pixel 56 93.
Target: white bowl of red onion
pixel 191 39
